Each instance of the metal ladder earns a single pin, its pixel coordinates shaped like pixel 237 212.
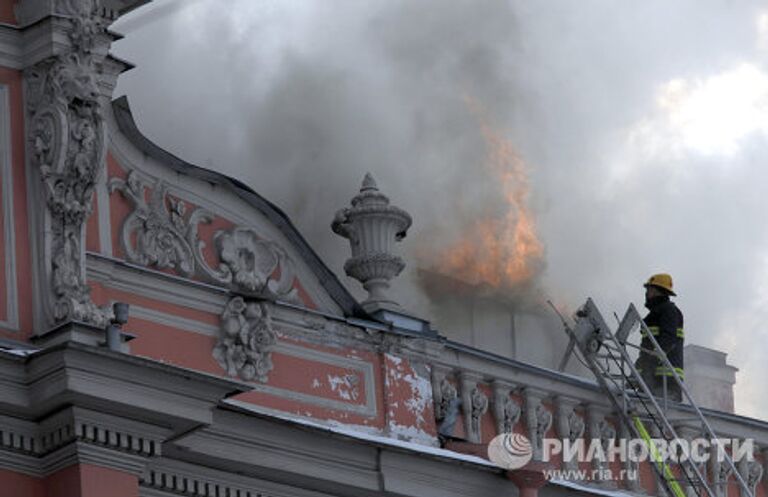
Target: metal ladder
pixel 605 354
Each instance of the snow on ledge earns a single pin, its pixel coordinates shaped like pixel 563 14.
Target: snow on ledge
pixel 18 352
pixel 361 434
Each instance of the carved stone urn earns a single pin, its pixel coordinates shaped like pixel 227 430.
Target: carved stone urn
pixel 372 227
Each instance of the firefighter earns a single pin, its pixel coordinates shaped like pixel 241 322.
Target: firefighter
pixel 665 323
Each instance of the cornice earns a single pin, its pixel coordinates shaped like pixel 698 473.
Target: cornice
pixel 88 376
pixel 76 435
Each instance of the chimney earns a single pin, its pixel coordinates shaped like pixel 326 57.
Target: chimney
pixel 709 378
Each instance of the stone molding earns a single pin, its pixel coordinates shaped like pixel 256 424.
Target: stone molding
pixel 288 321
pixel 294 454
pixel 171 482
pixel 78 435
pixel 363 372
pixel 297 322
pixel 165 476
pixel 10 47
pixel 73 373
pixel 55 405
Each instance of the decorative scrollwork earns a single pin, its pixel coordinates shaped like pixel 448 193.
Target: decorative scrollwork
pixel 157 234
pixel 67 146
pixel 246 340
pixel 154 233
pixel 249 260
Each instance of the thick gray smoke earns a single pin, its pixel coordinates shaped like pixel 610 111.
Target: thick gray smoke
pixel 642 125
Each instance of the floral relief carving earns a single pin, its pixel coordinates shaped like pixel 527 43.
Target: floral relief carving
pixel 246 340
pixel 157 233
pixel 154 233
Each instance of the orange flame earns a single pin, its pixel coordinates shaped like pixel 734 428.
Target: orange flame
pixel 502 250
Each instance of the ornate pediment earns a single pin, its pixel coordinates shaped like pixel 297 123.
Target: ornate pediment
pixel 158 233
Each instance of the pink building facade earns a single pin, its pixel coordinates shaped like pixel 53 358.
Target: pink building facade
pixel 245 367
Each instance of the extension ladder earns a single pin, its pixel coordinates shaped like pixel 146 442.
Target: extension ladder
pixel 605 354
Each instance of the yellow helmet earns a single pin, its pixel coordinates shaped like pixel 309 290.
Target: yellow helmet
pixel 661 280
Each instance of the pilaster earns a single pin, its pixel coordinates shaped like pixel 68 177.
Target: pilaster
pixel 68 78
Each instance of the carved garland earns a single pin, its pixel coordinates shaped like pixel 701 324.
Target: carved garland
pixel 246 340
pixel 157 234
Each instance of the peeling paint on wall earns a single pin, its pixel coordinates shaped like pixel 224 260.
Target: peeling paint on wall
pixel 409 401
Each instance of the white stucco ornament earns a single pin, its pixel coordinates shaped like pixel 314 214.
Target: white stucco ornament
pixel 372 227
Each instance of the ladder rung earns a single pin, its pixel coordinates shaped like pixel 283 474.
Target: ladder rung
pixel 605 356
pixel 694 483
pixel 612 348
pixel 618 377
pixel 672 421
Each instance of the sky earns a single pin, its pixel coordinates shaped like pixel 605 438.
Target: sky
pixel 642 128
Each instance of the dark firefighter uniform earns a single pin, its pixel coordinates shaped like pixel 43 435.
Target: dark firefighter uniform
pixel 665 323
